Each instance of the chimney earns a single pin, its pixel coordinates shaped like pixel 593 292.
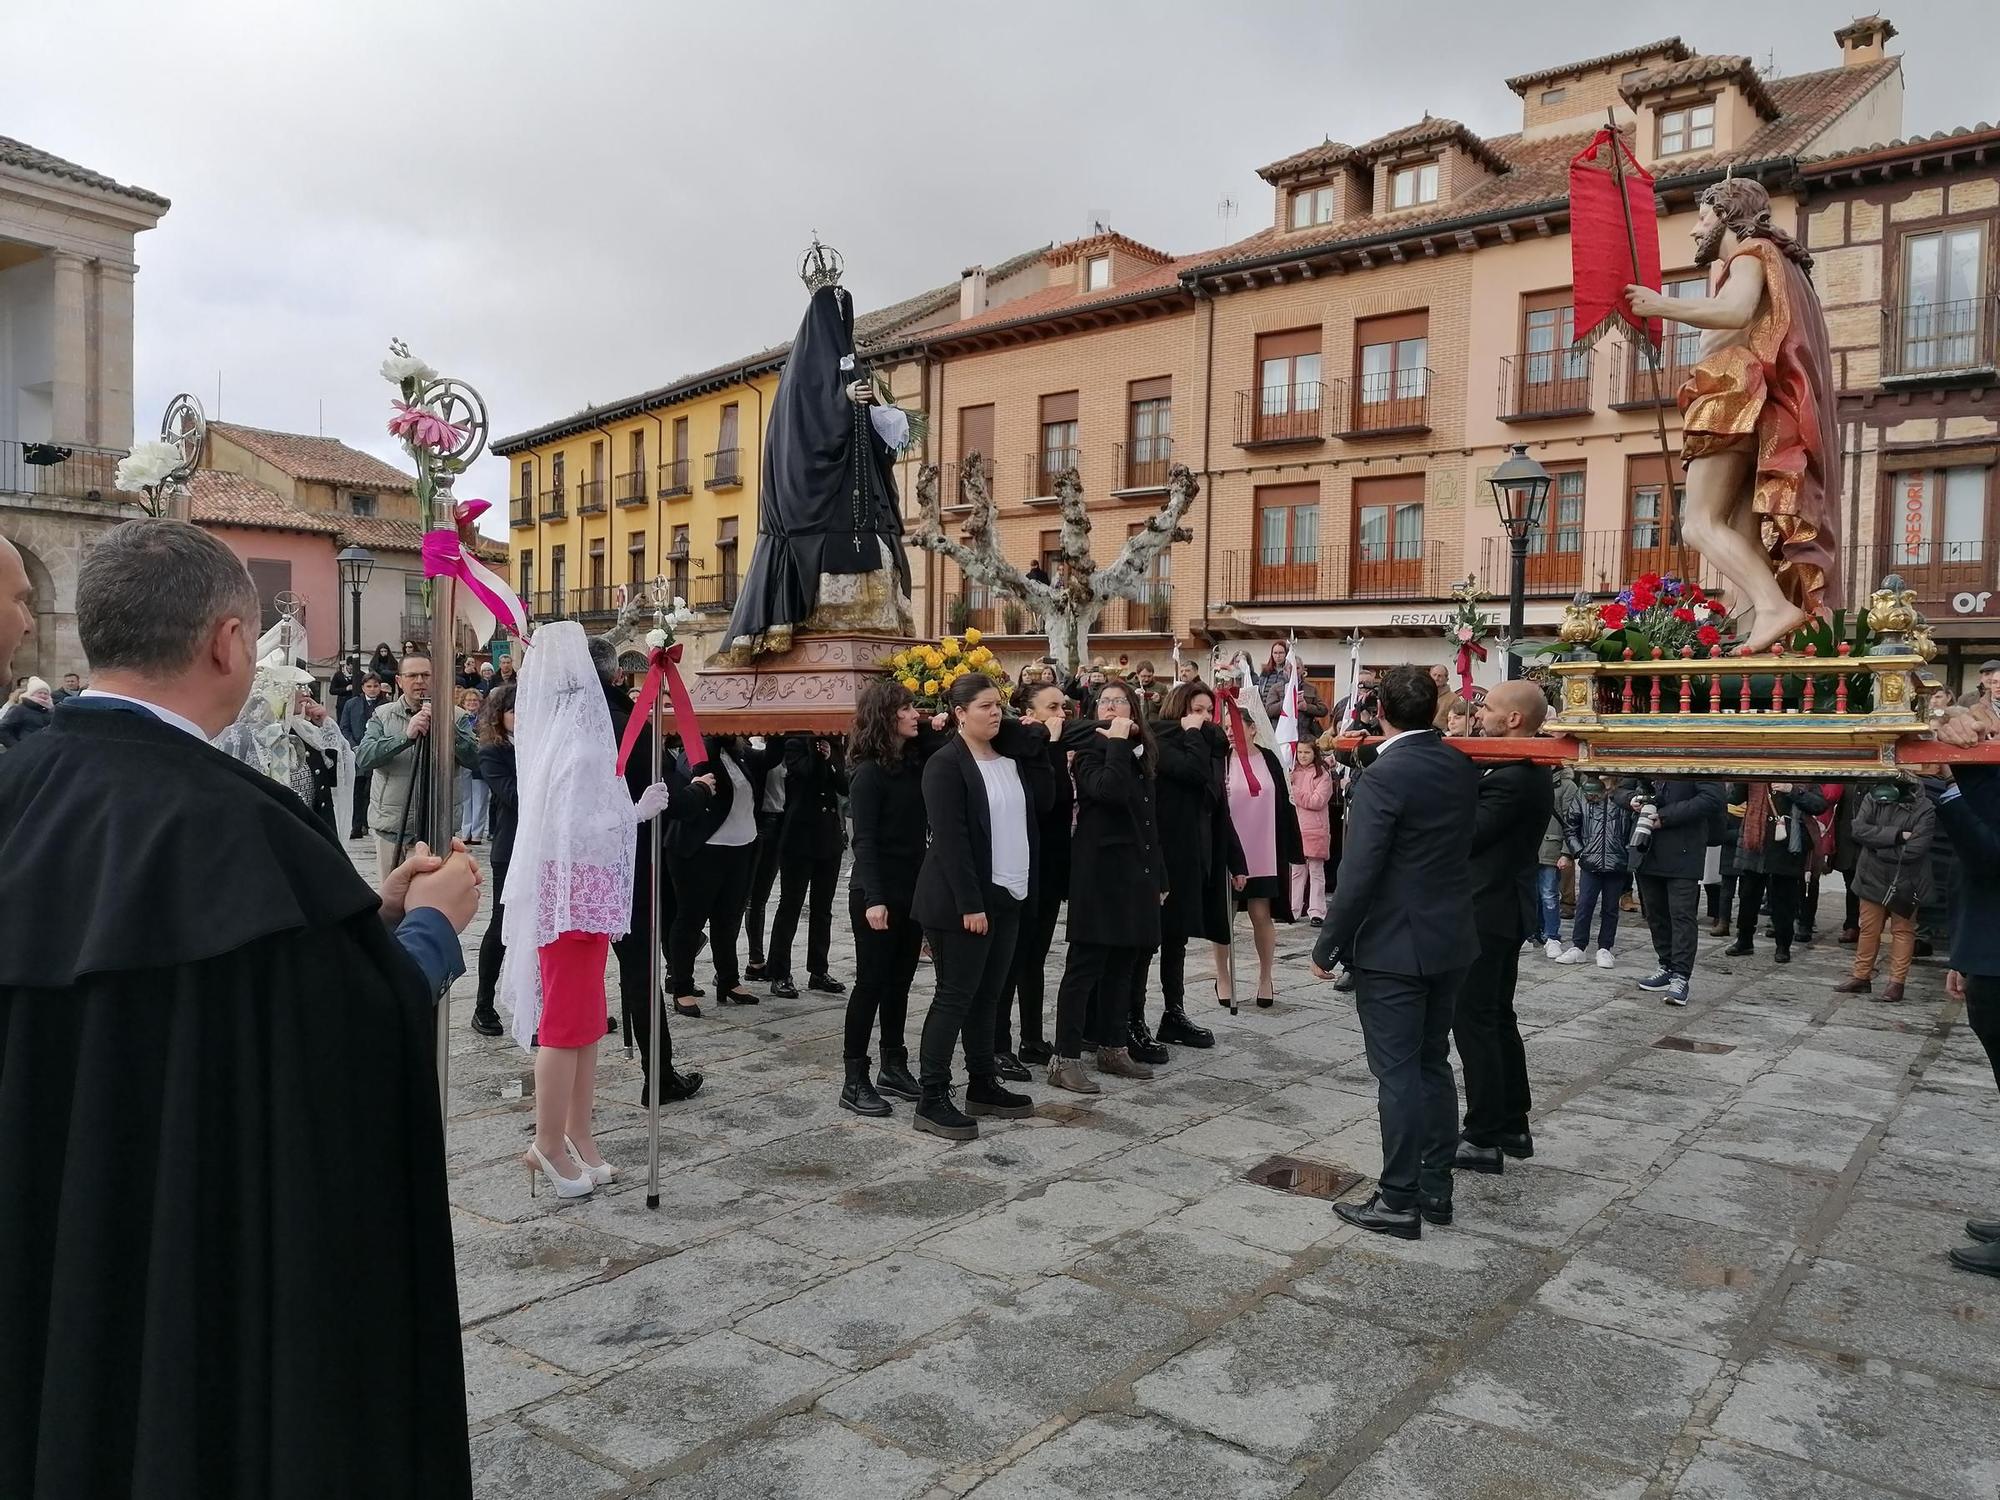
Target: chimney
pixel 971 292
pixel 1864 41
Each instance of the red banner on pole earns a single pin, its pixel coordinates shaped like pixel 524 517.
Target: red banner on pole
pixel 1604 242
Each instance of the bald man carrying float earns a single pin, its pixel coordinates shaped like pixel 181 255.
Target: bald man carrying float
pixel 1516 800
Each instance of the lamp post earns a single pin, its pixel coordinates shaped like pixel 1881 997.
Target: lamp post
pixel 1520 488
pixel 356 563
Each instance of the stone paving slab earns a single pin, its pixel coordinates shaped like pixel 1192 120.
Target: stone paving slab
pixel 510 1460
pixel 861 1318
pixel 800 1457
pixel 1433 1457
pixel 1951 1330
pixel 1440 1285
pixel 1050 1229
pixel 1725 1471
pixel 1122 1458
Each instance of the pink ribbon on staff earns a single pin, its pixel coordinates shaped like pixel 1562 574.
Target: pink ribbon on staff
pixel 664 662
pixel 1466 651
pixel 1239 735
pixel 486 601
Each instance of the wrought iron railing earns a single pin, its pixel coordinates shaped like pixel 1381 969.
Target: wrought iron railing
pixel 1953 580
pixel 951 491
pixel 631 488
pixel 1334 574
pixel 1631 380
pixel 555 503
pixel 1378 405
pixel 589 497
pixel 521 510
pixel 1143 465
pixel 1536 387
pixel 1939 338
pixel 61 470
pixel 725 467
pixel 1281 414
pixel 674 478
pixel 1042 468
pixel 1565 559
pixel 714 592
pixel 593 599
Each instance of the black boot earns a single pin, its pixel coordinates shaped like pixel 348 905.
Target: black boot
pixel 1139 1042
pixel 894 1077
pixel 486 1020
pixel 985 1096
pixel 1176 1030
pixel 859 1095
pixel 937 1115
pixel 1035 1050
pixel 674 1087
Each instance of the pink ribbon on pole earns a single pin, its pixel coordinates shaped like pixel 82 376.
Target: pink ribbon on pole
pixel 486 601
pixel 664 662
pixel 1466 651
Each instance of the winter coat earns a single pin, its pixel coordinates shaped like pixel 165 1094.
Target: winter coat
pixel 1785 858
pixel 1197 839
pixel 1597 832
pixel 387 751
pixel 1313 790
pixel 1116 870
pixel 1567 796
pixel 1885 858
pixel 23 719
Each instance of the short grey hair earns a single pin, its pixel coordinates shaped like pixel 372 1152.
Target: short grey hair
pixel 150 592
pixel 603 656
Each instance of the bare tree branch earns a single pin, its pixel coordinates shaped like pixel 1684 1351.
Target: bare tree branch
pixel 1127 577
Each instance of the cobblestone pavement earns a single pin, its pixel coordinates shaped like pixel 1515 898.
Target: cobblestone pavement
pixel 1723 1273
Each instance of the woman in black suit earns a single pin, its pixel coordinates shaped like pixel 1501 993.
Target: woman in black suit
pixel 886 797
pixel 976 880
pixel 1116 882
pixel 1040 702
pixel 496 768
pixel 1199 844
pixel 710 857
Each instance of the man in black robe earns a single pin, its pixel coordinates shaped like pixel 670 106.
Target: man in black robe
pixel 226 1261
pixel 829 527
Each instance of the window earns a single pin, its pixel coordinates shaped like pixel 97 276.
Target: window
pixel 597 461
pixel 1942 305
pixel 975 435
pixel 272 577
pixel 1412 185
pixel 556 473
pixel 1149 432
pixel 677 563
pixel 361 505
pixel 1681 346
pixel 1388 536
pixel 1051 552
pixel 632 483
pixel 527 490
pixel 1286 561
pixel 528 579
pixel 726 432
pixel 1312 205
pixel 558 579
pixel 638 450
pixel 1288 387
pixel 728 454
pixel 1548 328
pixel 597 565
pixel 725 556
pixel 1097 273
pixel 1059 442
pixel 1152 613
pixel 635 560
pixel 1939 517
pixel 1653 519
pixel 1393 381
pixel 1690 128
pixel 1553 96
pixel 416 618
pixel 1555 548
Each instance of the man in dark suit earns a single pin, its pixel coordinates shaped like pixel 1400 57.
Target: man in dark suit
pixel 1669 867
pixel 1401 919
pixel 1516 801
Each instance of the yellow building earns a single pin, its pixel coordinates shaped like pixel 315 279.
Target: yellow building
pixel 666 482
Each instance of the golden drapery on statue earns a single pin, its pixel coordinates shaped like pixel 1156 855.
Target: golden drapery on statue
pixel 1771 395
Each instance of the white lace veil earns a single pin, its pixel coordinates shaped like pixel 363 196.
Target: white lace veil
pixel 574 844
pixel 268 735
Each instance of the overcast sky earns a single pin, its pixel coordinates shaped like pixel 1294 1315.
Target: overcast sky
pixel 565 203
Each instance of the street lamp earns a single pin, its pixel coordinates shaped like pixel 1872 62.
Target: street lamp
pixel 1520 488
pixel 356 563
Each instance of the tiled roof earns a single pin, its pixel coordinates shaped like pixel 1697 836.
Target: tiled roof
pixel 381 534
pixel 1671 45
pixel 32 159
pixel 1431 131
pixel 319 460
pixel 1862 26
pixel 1110 239
pixel 1736 70
pixel 219 498
pixel 1911 144
pixel 1329 153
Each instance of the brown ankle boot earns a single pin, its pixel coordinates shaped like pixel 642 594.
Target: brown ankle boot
pixel 1893 995
pixel 1067 1073
pixel 1120 1063
pixel 1854 986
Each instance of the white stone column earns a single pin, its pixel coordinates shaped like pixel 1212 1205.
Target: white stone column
pixel 114 355
pixel 69 417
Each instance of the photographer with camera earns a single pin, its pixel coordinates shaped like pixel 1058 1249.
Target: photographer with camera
pixel 1668 847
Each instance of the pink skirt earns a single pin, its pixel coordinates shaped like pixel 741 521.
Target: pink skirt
pixel 573 989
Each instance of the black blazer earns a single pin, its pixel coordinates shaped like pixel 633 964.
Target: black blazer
pixel 1403 903
pixel 497 770
pixel 1971 822
pixel 1516 802
pixel 1679 847
pixel 812 827
pixel 1116 870
pixel 958 867
pixel 889 832
pixel 703 811
pixel 1197 838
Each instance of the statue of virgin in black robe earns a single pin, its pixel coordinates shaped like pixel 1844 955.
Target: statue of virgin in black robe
pixel 829 554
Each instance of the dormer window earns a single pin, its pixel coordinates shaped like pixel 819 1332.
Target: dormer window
pixel 361 505
pixel 1413 185
pixel 1689 128
pixel 1097 273
pixel 1553 96
pixel 1312 205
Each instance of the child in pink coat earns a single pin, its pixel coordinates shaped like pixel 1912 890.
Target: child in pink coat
pixel 1313 788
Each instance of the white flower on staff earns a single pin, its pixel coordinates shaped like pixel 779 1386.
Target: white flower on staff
pixel 398 368
pixel 658 639
pixel 146 466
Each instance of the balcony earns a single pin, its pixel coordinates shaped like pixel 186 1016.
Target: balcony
pixel 1372 406
pixel 1940 340
pixel 1541 387
pixel 64 472
pixel 521 510
pixel 1336 575
pixel 550 604
pixel 593 599
pixel 714 592
pixel 1142 465
pixel 951 488
pixel 1953 580
pixel 1281 414
pixel 555 503
pixel 1631 381
pixel 1041 470
pixel 972 610
pixel 417 631
pixel 1152 615
pixel 630 489
pixel 590 497
pixel 1598 562
pixel 674 479
pixel 725 468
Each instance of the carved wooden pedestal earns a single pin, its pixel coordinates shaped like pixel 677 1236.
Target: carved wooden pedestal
pixel 814 686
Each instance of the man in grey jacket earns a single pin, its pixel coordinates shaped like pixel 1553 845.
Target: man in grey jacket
pixel 395 730
pixel 1676 817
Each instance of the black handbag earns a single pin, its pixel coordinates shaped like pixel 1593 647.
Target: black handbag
pixel 1897 901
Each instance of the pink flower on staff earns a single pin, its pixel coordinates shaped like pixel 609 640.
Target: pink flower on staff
pixel 421 427
pixel 1465 632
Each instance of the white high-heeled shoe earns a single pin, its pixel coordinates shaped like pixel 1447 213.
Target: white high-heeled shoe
pixel 539 1166
pixel 600 1174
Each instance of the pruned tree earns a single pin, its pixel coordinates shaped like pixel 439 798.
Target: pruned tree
pixel 1070 608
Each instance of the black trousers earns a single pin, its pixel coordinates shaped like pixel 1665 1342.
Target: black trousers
pixel 1785 892
pixel 1026 984
pixel 1406 1027
pixel 1489 1044
pixel 709 891
pixel 635 972
pixel 801 875
pixel 1671 904
pixel 1095 995
pixel 762 878
pixel 885 964
pixel 1173 969
pixel 493 946
pixel 972 970
pixel 1982 1012
pixel 363 780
